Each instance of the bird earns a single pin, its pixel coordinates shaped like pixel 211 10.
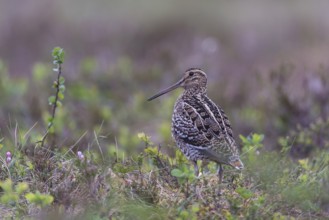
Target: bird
pixel 200 128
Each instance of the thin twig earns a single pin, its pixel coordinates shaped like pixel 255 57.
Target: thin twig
pixel 51 123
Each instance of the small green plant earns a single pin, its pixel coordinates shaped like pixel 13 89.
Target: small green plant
pixel 39 199
pixel 186 179
pixel 11 194
pixel 252 144
pixel 244 193
pixel 55 100
pixel 184 174
pixel 190 214
pixel 146 139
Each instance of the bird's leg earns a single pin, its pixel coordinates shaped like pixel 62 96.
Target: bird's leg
pixel 196 168
pixel 204 166
pixel 220 173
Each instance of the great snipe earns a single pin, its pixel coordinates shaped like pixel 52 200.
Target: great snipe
pixel 200 128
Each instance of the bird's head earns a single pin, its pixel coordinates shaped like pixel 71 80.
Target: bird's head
pixel 193 79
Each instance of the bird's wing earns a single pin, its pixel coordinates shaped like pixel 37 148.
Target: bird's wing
pixel 216 124
pixel 189 127
pixel 218 114
pixel 223 126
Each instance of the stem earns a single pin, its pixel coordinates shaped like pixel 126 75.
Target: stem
pixel 54 105
pixel 56 96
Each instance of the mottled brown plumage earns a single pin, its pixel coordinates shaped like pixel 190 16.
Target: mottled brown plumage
pixel 200 128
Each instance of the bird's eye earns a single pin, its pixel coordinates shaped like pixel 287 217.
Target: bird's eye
pixel 191 73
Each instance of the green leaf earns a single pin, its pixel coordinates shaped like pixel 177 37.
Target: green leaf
pixel 50 119
pixel 30 197
pixel 21 187
pixel 304 177
pixel 55 84
pixel 48 199
pixel 61 80
pixel 142 136
pixel 177 173
pixel 243 138
pixel 9 198
pixel 257 138
pixel 304 163
pixel 30 165
pixel 151 151
pixel 58 55
pixel 51 100
pixel 39 199
pixel 60 95
pixel 7 185
pixel 62 88
pixel 195 208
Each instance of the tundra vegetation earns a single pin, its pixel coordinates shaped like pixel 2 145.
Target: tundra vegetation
pixel 67 150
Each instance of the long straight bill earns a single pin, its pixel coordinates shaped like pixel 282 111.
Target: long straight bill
pixel 175 86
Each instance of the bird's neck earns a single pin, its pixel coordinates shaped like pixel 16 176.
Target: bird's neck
pixel 195 91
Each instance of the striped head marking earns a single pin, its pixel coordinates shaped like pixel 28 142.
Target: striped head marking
pixel 193 78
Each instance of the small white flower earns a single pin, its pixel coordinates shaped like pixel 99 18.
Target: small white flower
pixel 80 155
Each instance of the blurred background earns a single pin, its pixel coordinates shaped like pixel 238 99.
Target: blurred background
pixel 267 65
